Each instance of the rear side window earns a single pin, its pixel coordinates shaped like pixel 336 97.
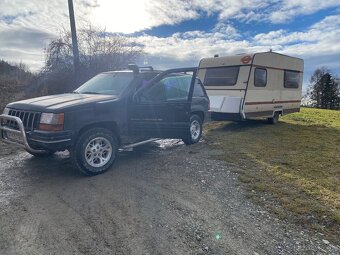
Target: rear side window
pixel 291 79
pixel 198 89
pixel 222 76
pixel 260 77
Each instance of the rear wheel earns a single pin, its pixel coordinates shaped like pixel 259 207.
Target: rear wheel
pixel 275 118
pixel 95 151
pixel 195 131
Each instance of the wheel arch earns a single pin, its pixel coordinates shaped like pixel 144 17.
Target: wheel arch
pixel 110 125
pixel 199 114
pixel 279 111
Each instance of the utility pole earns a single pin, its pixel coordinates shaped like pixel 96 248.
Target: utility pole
pixel 74 39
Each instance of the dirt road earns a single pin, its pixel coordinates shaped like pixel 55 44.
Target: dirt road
pixel 159 199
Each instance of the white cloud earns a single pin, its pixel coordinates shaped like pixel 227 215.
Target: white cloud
pixel 130 15
pixel 290 9
pixel 226 31
pixel 194 45
pixel 136 15
pixel 318 45
pixel 26 27
pixel 320 39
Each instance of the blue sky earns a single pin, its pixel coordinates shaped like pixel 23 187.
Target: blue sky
pixel 181 32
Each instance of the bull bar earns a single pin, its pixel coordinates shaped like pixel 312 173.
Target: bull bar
pixel 4 130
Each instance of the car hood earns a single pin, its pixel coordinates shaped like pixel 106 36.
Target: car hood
pixel 59 102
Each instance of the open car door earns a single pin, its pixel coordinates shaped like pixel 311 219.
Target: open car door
pixel 161 109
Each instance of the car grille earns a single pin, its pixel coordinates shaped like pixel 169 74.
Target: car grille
pixel 28 118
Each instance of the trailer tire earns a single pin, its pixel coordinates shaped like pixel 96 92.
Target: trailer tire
pixel 274 119
pixel 95 151
pixel 195 130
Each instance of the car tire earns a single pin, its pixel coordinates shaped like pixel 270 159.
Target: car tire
pixel 274 119
pixel 95 151
pixel 195 130
pixel 43 154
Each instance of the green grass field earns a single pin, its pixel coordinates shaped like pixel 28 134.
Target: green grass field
pixel 292 168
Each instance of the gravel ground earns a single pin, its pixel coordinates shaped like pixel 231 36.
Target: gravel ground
pixel 162 198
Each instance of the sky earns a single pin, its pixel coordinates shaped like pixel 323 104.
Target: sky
pixel 177 33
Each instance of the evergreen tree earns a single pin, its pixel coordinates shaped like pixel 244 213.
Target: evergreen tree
pixel 325 89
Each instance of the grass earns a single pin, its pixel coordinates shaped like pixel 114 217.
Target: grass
pixel 292 168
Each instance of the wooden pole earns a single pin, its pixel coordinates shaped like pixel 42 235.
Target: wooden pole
pixel 74 39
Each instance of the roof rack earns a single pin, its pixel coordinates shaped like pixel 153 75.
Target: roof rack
pixel 144 68
pixel 136 69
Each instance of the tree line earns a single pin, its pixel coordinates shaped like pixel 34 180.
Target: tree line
pixel 324 89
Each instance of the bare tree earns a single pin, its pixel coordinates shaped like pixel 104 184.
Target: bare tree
pixel 99 51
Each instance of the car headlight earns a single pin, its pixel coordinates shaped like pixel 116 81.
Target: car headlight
pixel 6 111
pixel 51 121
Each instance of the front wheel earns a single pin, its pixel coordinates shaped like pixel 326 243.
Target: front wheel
pixel 95 151
pixel 195 131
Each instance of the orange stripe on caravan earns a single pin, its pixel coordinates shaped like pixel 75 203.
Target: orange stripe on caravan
pixel 273 102
pixel 275 68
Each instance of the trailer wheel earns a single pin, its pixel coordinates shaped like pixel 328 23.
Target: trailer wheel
pixel 195 130
pixel 274 119
pixel 95 151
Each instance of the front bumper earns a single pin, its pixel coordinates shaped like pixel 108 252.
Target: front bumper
pixel 34 139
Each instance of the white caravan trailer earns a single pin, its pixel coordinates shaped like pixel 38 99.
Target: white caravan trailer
pixel 247 86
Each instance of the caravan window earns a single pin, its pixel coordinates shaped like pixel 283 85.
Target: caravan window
pixel 221 76
pixel 292 79
pixel 260 77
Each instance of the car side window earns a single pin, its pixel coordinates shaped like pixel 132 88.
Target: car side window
pixel 170 88
pixel 155 93
pixel 198 89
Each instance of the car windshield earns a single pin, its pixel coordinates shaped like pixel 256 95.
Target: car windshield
pixel 106 83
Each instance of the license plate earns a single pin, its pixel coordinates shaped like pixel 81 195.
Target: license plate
pixel 13 136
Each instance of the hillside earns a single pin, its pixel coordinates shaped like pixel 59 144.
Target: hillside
pixel 14 80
